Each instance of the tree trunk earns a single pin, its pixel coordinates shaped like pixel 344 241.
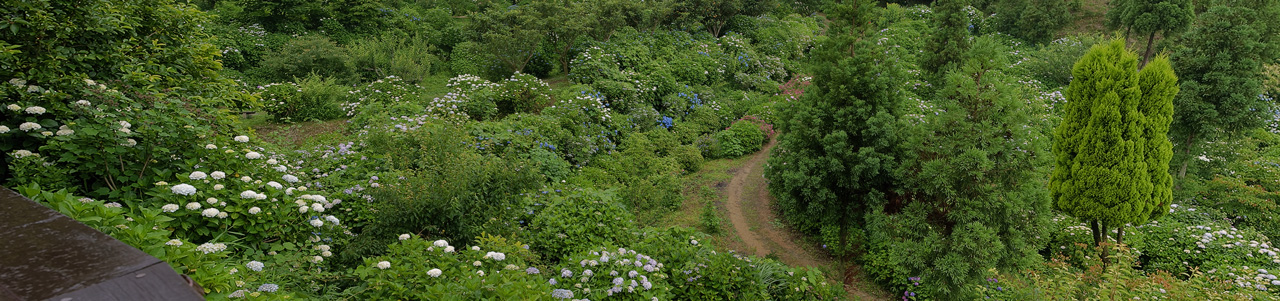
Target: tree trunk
pixel 1097 232
pixel 1126 35
pixel 1186 160
pixel 1146 56
pixel 1120 236
pixel 1105 249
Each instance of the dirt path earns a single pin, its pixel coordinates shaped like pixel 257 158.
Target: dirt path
pixel 748 203
pixel 754 243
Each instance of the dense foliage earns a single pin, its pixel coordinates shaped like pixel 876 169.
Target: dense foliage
pixel 536 149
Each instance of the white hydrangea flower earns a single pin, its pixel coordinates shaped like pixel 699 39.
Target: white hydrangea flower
pixel 242 139
pixel 694 242
pixel 193 206
pixel 260 196
pixel 126 131
pixel 481 273
pixel 317 259
pixel 35 110
pixel 274 184
pixel 197 175
pixel 475 248
pixel 83 102
pixel 222 215
pixel 448 249
pixel 290 178
pixel 332 219
pixel 317 207
pixel 14 107
pixel 272 161
pixel 65 132
pixel 281 168
pixel 211 201
pixel 46 133
pixel 477 263
pixel 246 179
pixel 248 194
pixel 326 253
pixel 217 175
pixel 22 153
pixel 183 189
pixel 317 223
pixel 29 126
pixel 125 124
pixel 255 210
pixel 255 266
pixel 218 186
pixel 384 265
pixel 173 242
pixel 441 243
pixel 322 247
pixel 303 209
pixel 210 146
pixel 4 129
pixel 434 273
pixel 211 212
pixel 169 207
pixel 129 142
pixel 404 236
pixel 495 256
pixel 252 155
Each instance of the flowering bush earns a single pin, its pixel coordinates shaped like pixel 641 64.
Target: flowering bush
pixel 606 273
pixel 426 270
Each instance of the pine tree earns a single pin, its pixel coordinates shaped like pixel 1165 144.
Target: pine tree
pixel 836 153
pixel 974 176
pixel 1110 147
pixel 950 36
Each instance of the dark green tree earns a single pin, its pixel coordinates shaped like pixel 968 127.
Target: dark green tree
pixel 950 39
pixel 838 149
pixel 715 14
pixel 973 176
pixel 1151 17
pixel 1221 59
pixel 569 20
pixel 512 34
pixel 1112 131
pixel 1033 20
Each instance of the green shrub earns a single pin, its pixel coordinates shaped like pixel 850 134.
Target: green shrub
pixel 305 55
pixel 409 58
pixel 448 191
pixel 739 139
pixel 310 98
pixel 1051 63
pixel 577 220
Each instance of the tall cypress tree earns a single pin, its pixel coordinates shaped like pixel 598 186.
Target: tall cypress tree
pixel 1111 135
pixel 837 150
pixel 950 36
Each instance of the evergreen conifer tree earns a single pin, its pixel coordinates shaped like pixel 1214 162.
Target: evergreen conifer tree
pixel 1110 147
pixel 836 155
pixel 1150 17
pixel 974 180
pixel 950 36
pixel 1221 60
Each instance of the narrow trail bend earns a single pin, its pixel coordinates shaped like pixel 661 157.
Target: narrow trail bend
pixel 748 203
